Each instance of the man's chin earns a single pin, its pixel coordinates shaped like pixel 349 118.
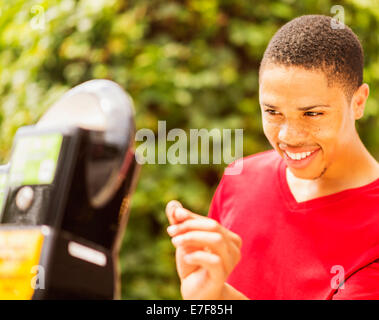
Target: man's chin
pixel 307 174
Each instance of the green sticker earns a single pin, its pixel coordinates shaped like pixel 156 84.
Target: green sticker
pixel 34 159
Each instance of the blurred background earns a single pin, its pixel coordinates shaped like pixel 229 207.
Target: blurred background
pixel 191 63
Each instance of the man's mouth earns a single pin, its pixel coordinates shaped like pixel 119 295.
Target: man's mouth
pixel 300 160
pixel 298 156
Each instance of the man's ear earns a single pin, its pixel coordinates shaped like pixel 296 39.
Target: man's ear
pixel 359 99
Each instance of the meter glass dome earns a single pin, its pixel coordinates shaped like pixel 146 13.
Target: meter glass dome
pixel 104 109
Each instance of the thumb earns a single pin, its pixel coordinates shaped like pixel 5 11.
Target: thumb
pixel 170 210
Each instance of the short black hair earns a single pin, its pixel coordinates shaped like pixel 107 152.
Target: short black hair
pixel 311 42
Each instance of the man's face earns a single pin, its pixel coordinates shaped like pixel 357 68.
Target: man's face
pixel 308 122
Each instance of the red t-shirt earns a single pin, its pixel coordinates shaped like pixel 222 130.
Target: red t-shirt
pixel 303 250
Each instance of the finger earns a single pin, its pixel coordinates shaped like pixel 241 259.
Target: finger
pixel 214 241
pixel 199 239
pixel 204 224
pixel 237 240
pixel 209 261
pixel 170 209
pixel 182 214
pixel 235 253
pixel 194 224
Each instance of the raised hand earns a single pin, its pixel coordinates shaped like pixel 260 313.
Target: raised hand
pixel 206 252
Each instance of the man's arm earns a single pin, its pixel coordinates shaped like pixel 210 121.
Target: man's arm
pixel 229 293
pixel 362 285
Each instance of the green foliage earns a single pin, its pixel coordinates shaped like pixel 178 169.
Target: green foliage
pixel 192 63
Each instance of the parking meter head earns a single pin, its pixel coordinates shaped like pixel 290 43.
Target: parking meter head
pixel 107 111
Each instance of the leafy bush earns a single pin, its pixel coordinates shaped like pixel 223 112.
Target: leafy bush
pixel 192 63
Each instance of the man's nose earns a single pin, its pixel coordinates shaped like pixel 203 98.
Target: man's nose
pixel 292 134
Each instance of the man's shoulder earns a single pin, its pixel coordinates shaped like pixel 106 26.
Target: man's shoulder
pixel 258 172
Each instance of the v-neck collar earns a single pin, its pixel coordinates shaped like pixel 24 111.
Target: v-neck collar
pixel 315 203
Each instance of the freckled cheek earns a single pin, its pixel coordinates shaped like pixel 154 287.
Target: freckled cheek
pixel 271 132
pixel 326 136
pixel 312 134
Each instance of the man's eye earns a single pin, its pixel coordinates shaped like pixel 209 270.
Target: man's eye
pixel 272 112
pixel 313 114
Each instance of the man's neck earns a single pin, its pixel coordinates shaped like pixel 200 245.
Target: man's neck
pixel 357 167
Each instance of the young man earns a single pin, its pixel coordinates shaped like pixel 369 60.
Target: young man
pixel 307 212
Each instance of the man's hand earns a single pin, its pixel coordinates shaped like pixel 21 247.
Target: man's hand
pixel 206 253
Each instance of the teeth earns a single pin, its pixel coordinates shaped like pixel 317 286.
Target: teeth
pixel 299 156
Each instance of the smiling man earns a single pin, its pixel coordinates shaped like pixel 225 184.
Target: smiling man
pixel 301 221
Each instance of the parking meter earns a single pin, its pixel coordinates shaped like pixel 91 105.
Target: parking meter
pixel 65 197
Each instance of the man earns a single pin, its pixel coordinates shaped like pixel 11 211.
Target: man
pixel 300 221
